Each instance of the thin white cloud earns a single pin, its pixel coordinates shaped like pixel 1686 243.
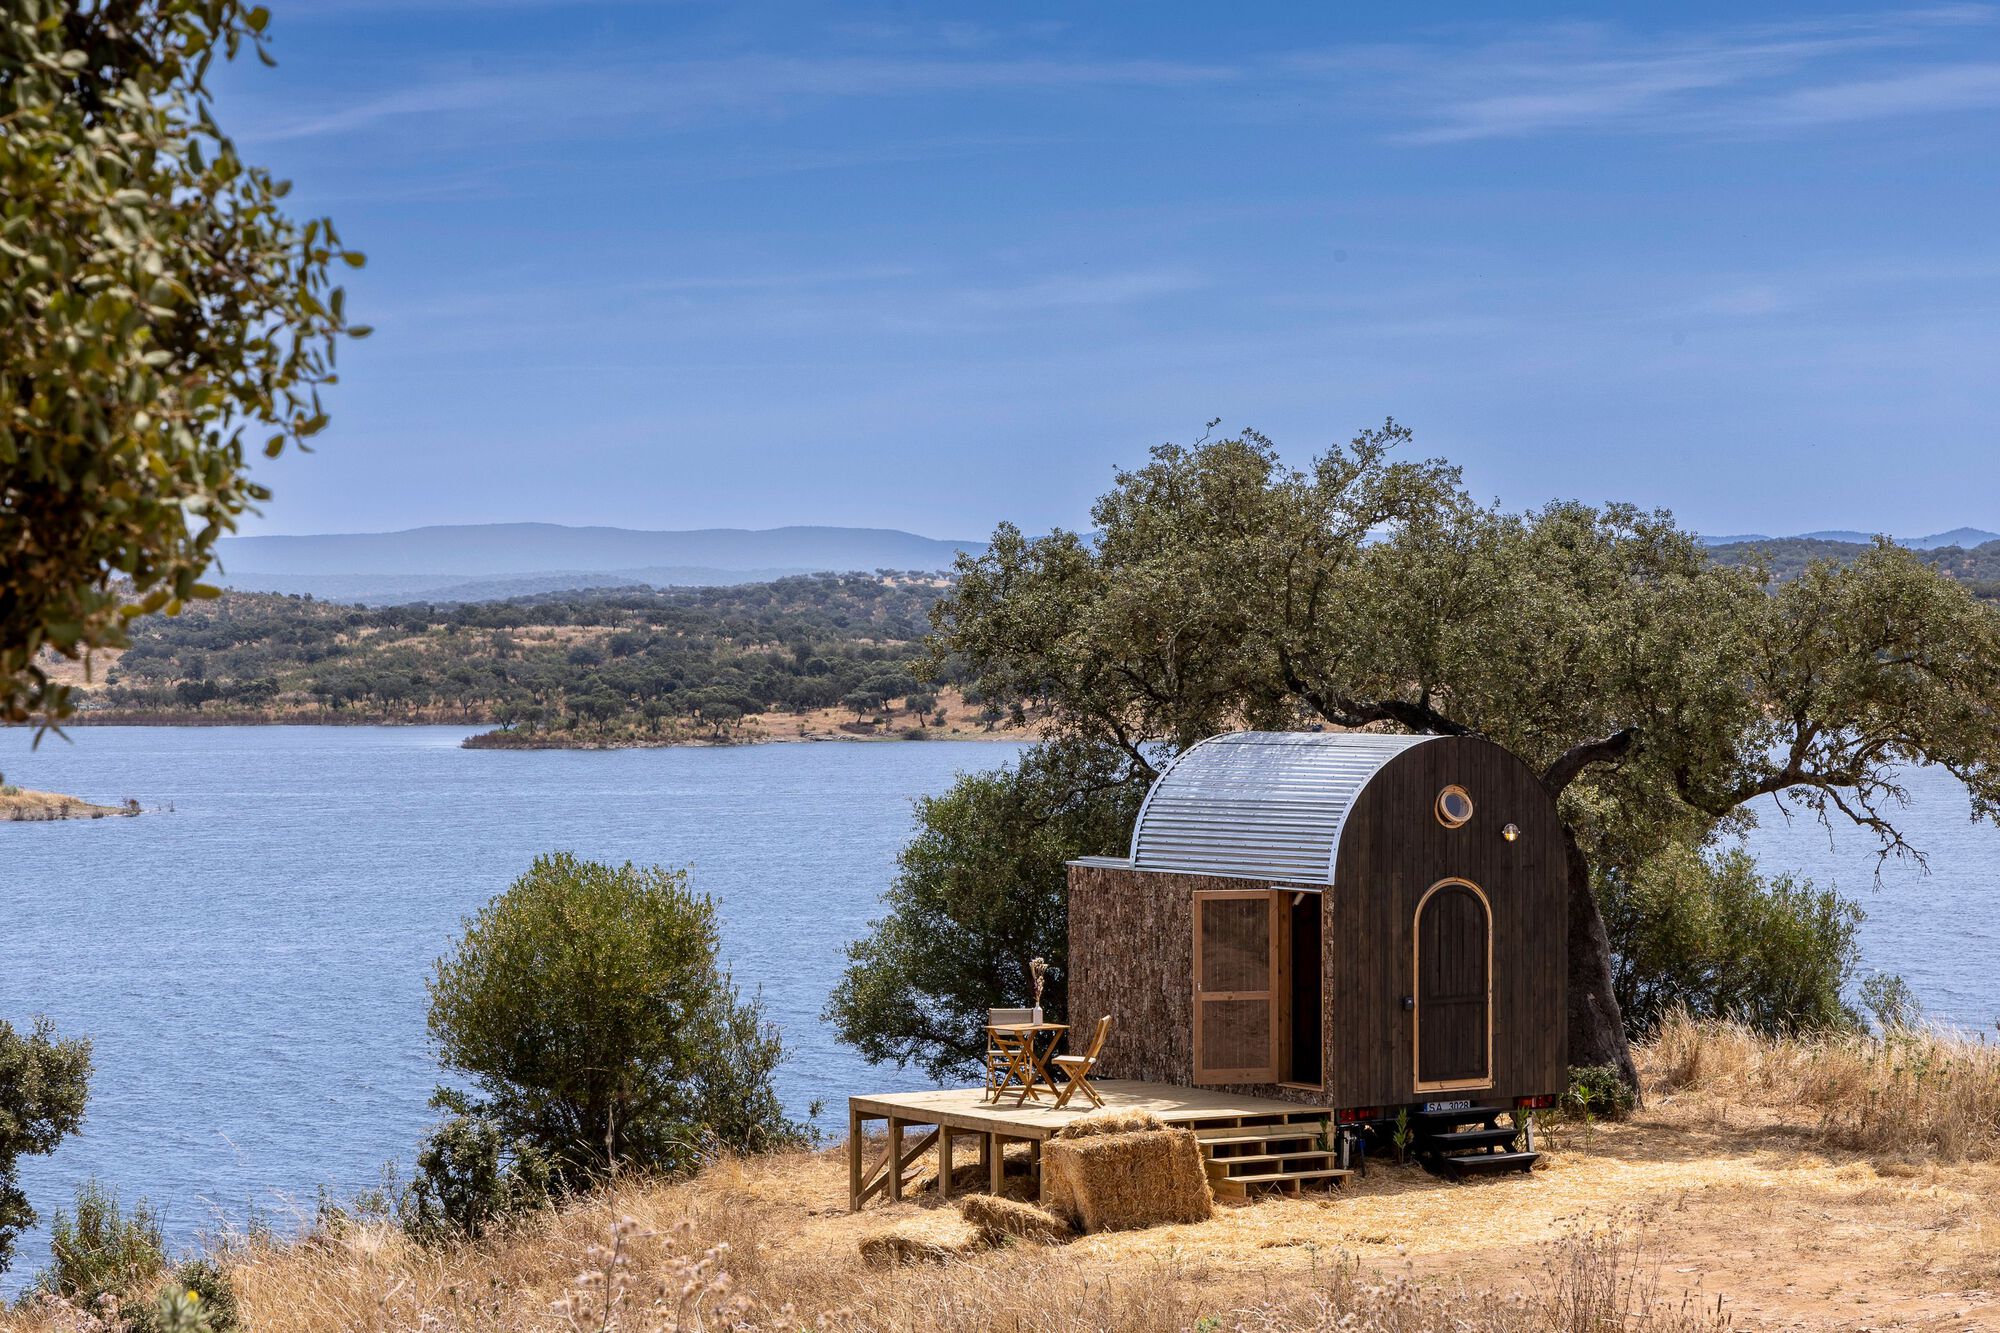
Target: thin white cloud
pixel 1594 79
pixel 1085 290
pixel 1974 87
pixel 1458 87
pixel 675 94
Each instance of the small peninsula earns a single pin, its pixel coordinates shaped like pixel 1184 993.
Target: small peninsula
pixel 19 805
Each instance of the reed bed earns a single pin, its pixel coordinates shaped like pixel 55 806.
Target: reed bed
pixel 1916 1092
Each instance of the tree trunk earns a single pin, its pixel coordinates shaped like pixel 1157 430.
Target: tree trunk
pixel 1596 1027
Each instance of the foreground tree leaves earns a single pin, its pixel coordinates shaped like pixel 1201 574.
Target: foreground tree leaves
pixel 160 316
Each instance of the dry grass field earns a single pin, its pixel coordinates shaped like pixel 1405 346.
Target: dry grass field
pixel 962 723
pixel 1765 1186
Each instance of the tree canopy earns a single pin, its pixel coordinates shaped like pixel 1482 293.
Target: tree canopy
pixel 1657 692
pixel 44 1083
pixel 160 317
pixel 587 1007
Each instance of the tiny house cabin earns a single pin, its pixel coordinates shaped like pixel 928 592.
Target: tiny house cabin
pixel 1356 921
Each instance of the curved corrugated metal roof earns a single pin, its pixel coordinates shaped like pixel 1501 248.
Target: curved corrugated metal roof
pixel 1259 804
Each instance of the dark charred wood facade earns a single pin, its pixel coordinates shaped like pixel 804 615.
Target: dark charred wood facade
pixel 1351 921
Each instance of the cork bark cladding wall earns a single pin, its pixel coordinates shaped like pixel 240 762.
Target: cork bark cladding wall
pixel 1131 955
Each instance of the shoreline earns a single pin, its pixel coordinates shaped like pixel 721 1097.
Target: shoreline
pixel 498 738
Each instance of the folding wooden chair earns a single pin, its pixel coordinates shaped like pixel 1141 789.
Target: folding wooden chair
pixel 1007 1053
pixel 1076 1069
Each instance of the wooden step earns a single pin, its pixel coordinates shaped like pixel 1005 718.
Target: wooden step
pixel 1482 1164
pixel 1283 1177
pixel 1469 1138
pixel 1227 1162
pixel 1268 1134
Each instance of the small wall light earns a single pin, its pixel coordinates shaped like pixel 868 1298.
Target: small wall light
pixel 1510 833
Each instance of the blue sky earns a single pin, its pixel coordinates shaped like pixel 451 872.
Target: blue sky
pixel 931 266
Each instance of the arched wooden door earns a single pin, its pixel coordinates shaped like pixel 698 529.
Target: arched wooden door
pixel 1454 967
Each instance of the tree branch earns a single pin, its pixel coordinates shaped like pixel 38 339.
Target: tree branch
pixel 1604 750
pixel 1343 711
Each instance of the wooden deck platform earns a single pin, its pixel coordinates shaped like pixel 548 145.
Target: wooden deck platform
pixel 951 1113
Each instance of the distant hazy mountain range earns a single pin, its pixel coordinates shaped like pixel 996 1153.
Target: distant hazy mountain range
pixel 1965 537
pixel 487 561
pixel 479 562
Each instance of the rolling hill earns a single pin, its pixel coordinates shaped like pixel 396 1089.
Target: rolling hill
pixel 486 561
pixel 1964 537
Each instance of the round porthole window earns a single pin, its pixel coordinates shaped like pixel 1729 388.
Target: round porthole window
pixel 1454 807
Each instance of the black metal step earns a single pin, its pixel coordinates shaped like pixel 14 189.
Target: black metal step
pixel 1464 1139
pixel 1486 1164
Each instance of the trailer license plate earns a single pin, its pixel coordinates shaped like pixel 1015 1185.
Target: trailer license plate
pixel 1463 1104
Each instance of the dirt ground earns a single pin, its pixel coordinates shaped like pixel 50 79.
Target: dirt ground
pixel 1722 1203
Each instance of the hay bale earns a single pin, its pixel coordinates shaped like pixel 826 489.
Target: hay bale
pixel 1117 1182
pixel 999 1219
pixel 1058 1196
pixel 934 1238
pixel 1129 1121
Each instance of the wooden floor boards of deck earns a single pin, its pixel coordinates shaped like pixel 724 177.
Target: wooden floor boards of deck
pixel 967 1108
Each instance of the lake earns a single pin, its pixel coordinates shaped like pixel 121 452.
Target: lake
pixel 249 959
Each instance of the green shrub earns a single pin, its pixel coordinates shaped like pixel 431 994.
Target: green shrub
pixel 44 1082
pixel 586 1006
pixel 99 1249
pixel 1599 1092
pixel 469 1176
pixel 174 1312
pixel 1890 1001
pixel 196 1298
pixel 1709 935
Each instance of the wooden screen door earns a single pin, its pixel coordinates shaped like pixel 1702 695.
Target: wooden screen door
pixel 1454 966
pixel 1238 975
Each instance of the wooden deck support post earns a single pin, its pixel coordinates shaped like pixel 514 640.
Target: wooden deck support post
pixel 945 1137
pixel 994 1150
pixel 895 1160
pixel 853 1160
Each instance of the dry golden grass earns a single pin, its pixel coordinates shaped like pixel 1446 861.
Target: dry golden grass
pixel 1745 1177
pixel 1921 1092
pixel 635 1279
pixel 20 804
pixel 734 1249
